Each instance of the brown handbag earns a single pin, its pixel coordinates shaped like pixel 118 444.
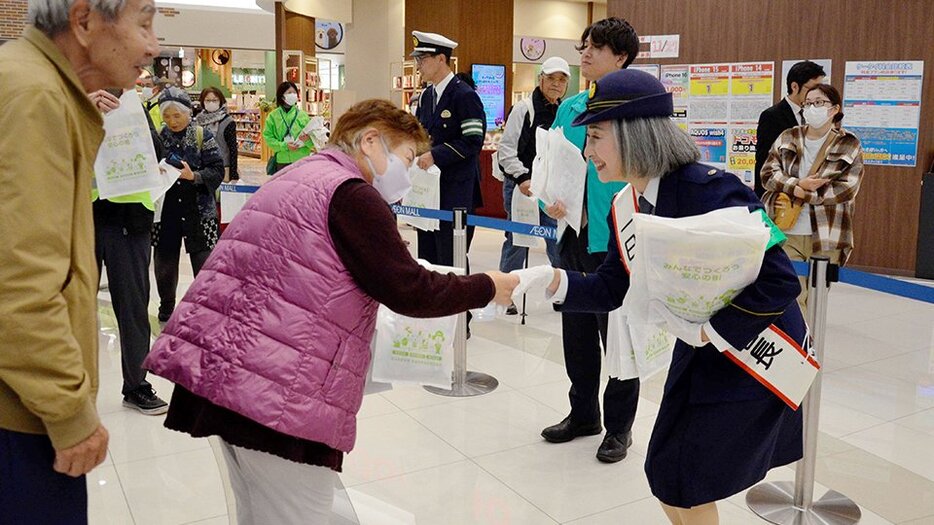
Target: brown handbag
pixel 786 211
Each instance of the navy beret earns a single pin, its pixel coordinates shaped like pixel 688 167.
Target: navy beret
pixel 626 94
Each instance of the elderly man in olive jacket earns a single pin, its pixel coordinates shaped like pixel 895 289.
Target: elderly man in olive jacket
pixel 50 433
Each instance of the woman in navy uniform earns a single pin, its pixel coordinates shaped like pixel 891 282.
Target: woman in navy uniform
pixel 718 430
pixel 451 112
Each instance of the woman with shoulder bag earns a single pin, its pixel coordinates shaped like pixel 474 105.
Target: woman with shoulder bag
pixel 284 131
pixel 811 180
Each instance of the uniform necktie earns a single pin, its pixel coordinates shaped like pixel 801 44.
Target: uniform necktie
pixel 645 206
pixel 429 98
pixel 801 114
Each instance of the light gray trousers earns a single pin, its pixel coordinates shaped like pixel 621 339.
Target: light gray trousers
pixel 270 489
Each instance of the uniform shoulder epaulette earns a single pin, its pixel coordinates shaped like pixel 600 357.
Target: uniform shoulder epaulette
pixel 701 173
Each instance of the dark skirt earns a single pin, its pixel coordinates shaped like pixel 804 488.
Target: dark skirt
pixel 199 417
pixel 702 452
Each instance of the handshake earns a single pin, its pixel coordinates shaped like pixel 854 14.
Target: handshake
pixel 510 287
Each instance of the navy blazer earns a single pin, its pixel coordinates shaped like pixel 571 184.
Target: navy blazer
pixel 772 122
pixel 457 127
pixel 696 189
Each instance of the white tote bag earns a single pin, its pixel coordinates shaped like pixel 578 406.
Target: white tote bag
pixel 410 350
pixel 697 265
pixel 126 161
pixel 425 193
pixel 524 210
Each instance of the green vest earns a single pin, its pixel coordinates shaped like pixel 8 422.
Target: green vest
pixel 142 197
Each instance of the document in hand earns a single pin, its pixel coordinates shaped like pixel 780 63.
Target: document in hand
pixel 126 161
pixel 317 131
pixel 425 193
pixel 168 174
pixel 559 173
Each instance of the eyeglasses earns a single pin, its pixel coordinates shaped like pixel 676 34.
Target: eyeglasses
pixel 817 104
pixel 419 58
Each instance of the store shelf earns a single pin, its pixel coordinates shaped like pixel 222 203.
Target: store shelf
pixel 249 132
pixel 407 80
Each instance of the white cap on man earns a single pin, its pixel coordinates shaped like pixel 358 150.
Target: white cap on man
pixel 431 44
pixel 556 65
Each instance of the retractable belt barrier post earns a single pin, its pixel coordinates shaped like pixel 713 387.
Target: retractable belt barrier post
pixel 781 502
pixel 465 383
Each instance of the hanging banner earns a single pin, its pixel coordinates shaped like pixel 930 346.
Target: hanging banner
pixel 882 106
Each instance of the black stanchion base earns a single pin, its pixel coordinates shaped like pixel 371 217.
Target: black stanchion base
pixel 775 503
pixel 477 384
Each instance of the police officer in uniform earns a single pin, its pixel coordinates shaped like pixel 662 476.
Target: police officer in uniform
pixel 452 113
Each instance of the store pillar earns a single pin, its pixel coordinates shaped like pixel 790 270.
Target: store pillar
pixel 484 34
pixel 294 31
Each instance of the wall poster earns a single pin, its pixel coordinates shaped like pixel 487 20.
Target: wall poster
pixel 722 109
pixel 882 106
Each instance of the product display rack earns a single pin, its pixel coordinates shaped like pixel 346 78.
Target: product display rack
pixel 407 80
pixel 249 132
pixel 305 73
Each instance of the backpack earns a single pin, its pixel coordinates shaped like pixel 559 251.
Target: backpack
pixel 524 137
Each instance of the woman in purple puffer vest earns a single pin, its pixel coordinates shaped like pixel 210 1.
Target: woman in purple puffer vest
pixel 270 346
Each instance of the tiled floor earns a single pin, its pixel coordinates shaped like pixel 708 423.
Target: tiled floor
pixel 431 460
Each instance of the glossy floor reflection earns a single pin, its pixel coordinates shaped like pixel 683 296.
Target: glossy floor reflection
pixel 438 460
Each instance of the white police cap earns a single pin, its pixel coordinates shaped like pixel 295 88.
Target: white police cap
pixel 431 44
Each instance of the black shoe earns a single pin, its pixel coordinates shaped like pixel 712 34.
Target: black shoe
pixel 512 310
pixel 613 448
pixel 146 401
pixel 165 310
pixel 566 431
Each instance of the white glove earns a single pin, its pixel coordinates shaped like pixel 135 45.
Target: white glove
pixel 531 279
pixel 683 329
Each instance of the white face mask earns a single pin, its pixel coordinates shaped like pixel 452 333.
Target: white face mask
pixel 146 94
pixel 212 106
pixel 815 116
pixel 394 183
pixel 290 98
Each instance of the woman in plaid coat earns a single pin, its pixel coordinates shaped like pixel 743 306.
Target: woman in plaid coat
pixel 819 166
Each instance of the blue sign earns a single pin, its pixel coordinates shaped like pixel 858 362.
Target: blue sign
pixel 491 86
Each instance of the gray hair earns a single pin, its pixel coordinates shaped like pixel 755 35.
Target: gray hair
pixel 652 147
pixel 51 16
pixel 174 104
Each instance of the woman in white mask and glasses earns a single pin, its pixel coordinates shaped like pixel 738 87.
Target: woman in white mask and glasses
pixel 270 346
pixel 811 180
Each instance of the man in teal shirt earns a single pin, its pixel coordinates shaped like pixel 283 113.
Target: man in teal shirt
pixel 606 46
